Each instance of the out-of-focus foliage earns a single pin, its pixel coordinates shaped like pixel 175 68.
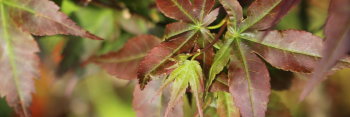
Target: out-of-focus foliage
pixel 236 80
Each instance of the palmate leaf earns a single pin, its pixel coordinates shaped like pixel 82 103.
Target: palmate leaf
pixel 180 36
pixel 124 63
pixel 157 61
pixel 188 73
pixel 249 81
pixel 291 50
pixel 18 60
pixel 337 33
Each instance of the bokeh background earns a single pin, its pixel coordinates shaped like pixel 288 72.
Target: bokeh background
pixel 69 88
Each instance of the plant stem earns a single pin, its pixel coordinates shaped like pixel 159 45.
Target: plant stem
pixel 217 37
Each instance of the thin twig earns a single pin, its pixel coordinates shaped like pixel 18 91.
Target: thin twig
pixel 217 38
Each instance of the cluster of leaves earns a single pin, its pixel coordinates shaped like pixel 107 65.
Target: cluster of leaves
pixel 240 54
pixel 20 19
pixel 228 67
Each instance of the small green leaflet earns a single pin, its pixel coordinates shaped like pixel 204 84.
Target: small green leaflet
pixel 188 72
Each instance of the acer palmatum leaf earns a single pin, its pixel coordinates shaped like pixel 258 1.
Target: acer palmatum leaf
pixel 193 22
pixel 222 56
pixel 177 28
pixel 249 82
pixel 291 50
pixel 42 17
pixel 177 9
pixel 234 11
pixel 124 63
pixel 262 14
pixel 19 62
pixel 157 60
pixel 18 66
pixel 188 73
pixel 337 43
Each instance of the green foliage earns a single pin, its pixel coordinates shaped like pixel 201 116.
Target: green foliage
pixel 225 62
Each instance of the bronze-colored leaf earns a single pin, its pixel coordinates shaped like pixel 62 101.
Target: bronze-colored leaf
pixel 234 11
pixel 42 17
pixel 157 59
pixel 124 63
pixel 203 7
pixel 291 50
pixel 176 28
pixel 249 82
pixel 18 59
pixel 19 65
pixel 177 9
pixel 262 14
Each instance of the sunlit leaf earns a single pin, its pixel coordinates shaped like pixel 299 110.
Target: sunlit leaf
pixel 188 73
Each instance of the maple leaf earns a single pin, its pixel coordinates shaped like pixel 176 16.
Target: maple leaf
pixel 194 17
pixel 18 59
pixel 124 63
pixel 188 73
pixel 249 81
pixel 290 50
